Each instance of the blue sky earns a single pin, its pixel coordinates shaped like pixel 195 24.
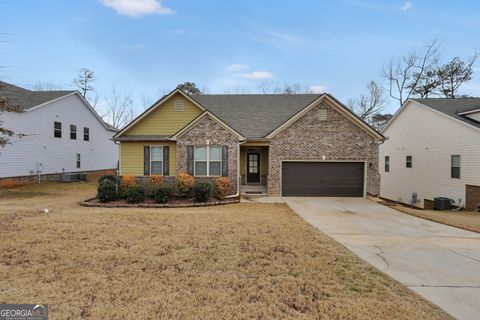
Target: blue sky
pixel 146 47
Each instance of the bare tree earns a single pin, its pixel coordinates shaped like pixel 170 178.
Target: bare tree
pixel 84 81
pixel 455 73
pixel 369 104
pixel 5 106
pixel 405 73
pixel 236 90
pixel 119 110
pixel 44 86
pixel 379 121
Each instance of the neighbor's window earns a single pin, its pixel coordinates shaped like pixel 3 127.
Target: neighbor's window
pixel 179 105
pixel 156 160
pixel 208 161
pixel 73 132
pixel 387 163
pixel 408 163
pixel 78 160
pixel 57 129
pixel 86 134
pixel 455 167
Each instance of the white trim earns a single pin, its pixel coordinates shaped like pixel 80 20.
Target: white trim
pixel 207 160
pixel 155 106
pixel 200 117
pixel 404 106
pixel 337 106
pixel 365 171
pixel 150 160
pixel 468 112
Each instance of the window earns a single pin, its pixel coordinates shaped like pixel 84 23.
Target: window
pixel 57 129
pixel 179 105
pixel 86 134
pixel 156 160
pixel 387 163
pixel 73 132
pixel 208 161
pixel 408 163
pixel 455 166
pixel 78 160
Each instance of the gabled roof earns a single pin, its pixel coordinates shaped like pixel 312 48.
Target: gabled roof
pixel 454 107
pixel 28 99
pixel 255 115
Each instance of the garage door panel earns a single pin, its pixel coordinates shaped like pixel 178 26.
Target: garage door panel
pixel 329 179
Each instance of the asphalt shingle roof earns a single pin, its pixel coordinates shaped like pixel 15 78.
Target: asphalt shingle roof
pixel 452 107
pixel 28 99
pixel 255 115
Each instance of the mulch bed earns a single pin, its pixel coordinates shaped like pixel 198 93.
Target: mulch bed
pixel 150 203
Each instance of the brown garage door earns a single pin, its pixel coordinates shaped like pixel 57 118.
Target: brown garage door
pixel 322 179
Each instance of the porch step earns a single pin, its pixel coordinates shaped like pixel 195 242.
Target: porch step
pixel 253 191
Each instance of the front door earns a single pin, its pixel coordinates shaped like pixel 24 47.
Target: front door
pixel 253 167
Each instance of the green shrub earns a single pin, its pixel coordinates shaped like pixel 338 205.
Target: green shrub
pixel 106 191
pixel 110 177
pixel 135 194
pixel 163 193
pixel 202 191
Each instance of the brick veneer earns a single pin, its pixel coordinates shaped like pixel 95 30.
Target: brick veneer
pixel 310 138
pixel 208 129
pixel 472 196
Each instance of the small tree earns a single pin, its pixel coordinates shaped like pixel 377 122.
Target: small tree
pixel 455 73
pixel 368 104
pixel 5 133
pixel 189 88
pixel 379 121
pixel 84 81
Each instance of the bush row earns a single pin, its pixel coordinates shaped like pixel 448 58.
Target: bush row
pixel 137 189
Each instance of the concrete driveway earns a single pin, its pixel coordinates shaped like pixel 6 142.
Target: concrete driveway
pixel 439 262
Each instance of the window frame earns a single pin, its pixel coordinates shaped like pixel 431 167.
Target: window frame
pixel 207 160
pixel 86 134
pixel 57 130
pixel 452 175
pixel 78 160
pixel 408 162
pixel 387 164
pixel 150 160
pixel 73 132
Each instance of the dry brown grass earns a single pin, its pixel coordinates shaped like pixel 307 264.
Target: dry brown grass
pixel 467 220
pixel 245 261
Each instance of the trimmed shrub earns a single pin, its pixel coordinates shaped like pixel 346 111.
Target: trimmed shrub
pixel 106 190
pixel 223 186
pixel 185 183
pixel 202 191
pixel 135 194
pixel 163 193
pixel 128 181
pixel 155 181
pixel 110 177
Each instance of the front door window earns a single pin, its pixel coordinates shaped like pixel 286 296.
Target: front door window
pixel 253 167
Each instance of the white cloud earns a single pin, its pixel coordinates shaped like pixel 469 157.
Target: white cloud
pixel 236 67
pixel 137 8
pixel 255 75
pixel 317 88
pixel 406 6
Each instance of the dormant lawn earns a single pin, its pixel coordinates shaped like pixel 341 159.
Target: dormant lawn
pixel 244 261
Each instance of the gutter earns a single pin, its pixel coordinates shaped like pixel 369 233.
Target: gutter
pixel 238 171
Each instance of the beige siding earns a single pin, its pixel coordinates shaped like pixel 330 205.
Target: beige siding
pixel 131 155
pixel 430 138
pixel 165 120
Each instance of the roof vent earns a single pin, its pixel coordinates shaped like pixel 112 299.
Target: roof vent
pixel 179 105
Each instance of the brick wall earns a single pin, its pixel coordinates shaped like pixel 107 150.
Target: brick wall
pixel 311 137
pixel 472 196
pixel 209 129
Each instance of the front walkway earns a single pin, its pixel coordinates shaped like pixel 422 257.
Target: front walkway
pixel 439 262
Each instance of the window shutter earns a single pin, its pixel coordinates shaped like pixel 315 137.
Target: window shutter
pixel 146 160
pixel 190 160
pixel 225 161
pixel 166 163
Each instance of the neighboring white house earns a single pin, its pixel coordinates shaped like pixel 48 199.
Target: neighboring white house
pixel 433 150
pixel 62 133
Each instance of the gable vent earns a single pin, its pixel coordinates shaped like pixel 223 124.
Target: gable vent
pixel 179 105
pixel 322 114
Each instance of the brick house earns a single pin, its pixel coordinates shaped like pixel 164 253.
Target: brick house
pixel 289 145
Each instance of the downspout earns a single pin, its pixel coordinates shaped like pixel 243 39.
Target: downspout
pixel 238 171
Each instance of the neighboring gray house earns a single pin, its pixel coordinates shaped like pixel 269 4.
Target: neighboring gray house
pixel 62 134
pixel 432 149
